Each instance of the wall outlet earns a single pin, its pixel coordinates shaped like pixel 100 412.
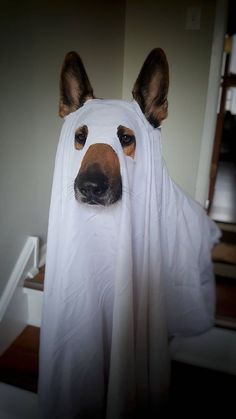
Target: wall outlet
pixel 193 18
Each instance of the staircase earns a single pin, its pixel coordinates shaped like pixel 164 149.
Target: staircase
pixel 20 318
pixel 198 363
pixel 19 369
pixel 225 274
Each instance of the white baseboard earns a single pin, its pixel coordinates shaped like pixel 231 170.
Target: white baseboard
pixel 35 303
pixel 16 403
pixel 214 350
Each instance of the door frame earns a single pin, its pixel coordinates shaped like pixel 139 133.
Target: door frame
pixel 209 125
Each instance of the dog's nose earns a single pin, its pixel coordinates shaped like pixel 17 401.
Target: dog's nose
pixel 93 188
pixel 92 184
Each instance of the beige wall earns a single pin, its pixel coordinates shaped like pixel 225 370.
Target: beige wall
pixel 35 35
pixel 113 39
pixel 154 23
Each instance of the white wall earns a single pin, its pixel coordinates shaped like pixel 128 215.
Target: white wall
pixel 153 23
pixel 35 35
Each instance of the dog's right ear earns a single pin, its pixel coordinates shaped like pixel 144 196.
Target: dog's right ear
pixel 75 87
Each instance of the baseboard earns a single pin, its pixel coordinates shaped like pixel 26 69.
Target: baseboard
pixel 214 350
pixel 16 403
pixel 35 304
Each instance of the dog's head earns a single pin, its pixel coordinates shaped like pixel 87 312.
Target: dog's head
pixel 99 179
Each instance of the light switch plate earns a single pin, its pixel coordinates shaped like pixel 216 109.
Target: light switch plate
pixel 193 18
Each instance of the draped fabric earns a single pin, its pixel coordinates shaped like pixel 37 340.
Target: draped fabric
pixel 120 280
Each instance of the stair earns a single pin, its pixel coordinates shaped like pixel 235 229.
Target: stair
pixel 225 274
pixel 19 364
pixel 36 283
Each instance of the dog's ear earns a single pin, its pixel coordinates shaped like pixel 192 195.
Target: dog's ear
pixel 151 87
pixel 75 87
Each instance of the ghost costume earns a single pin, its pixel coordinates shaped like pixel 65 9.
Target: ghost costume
pixel 122 279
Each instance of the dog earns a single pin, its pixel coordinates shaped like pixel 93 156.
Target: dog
pixel 123 240
pixel 98 181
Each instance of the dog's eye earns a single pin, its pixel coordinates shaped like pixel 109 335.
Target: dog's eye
pixel 126 136
pixel 81 137
pixel 126 139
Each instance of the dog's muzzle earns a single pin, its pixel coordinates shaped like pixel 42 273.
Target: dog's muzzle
pixel 95 188
pixel 99 181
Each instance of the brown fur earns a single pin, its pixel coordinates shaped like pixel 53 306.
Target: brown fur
pixel 151 87
pixel 105 157
pixel 75 87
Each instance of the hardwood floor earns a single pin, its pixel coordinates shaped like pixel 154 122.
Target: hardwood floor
pixel 19 364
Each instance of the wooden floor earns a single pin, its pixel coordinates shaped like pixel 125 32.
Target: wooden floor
pixel 226 297
pixel 225 276
pixel 19 364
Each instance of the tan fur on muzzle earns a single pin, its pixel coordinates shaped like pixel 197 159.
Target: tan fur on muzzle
pixel 99 179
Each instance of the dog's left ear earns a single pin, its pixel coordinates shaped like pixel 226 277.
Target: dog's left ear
pixel 75 87
pixel 151 87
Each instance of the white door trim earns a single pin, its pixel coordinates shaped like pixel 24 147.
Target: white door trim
pixel 208 133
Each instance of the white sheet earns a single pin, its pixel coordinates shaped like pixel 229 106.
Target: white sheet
pixel 119 280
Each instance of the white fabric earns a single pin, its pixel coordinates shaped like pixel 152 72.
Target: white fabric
pixel 119 279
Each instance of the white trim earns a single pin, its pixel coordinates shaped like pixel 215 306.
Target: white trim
pixel 202 183
pixel 23 264
pixel 16 403
pixel 35 304
pixel 214 350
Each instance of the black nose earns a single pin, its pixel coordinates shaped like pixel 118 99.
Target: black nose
pixel 93 188
pixel 92 185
